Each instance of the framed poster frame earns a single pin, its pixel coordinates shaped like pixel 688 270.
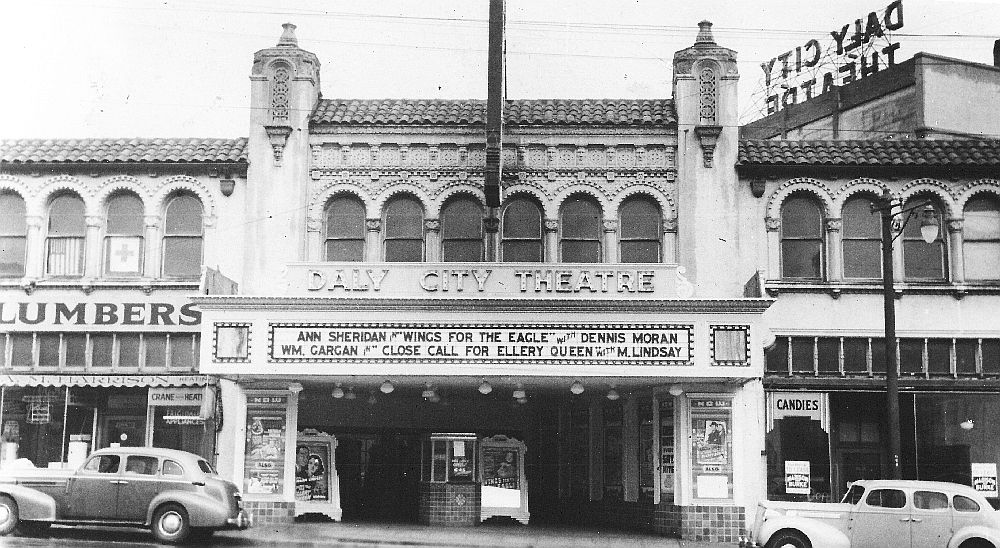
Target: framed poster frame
pixel 497 475
pixel 317 485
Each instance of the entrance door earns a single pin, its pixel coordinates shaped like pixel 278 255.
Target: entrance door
pixel 882 520
pixel 390 488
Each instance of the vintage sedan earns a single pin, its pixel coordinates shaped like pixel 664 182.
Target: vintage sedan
pixel 174 493
pixel 881 514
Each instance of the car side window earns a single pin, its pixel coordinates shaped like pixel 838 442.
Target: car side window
pixel 104 464
pixel 930 500
pixel 965 504
pixel 171 468
pixel 854 495
pixel 886 498
pixel 145 466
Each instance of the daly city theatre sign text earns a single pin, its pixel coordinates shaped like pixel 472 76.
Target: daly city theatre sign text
pixel 474 280
pixel 647 344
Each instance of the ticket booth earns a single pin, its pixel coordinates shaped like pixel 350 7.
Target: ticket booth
pixel 449 486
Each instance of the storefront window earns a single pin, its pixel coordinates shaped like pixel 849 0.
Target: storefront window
pixel 182 428
pixel 954 433
pixel 798 447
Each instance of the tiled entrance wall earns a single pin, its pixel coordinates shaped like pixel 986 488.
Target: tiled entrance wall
pixel 265 513
pixel 450 504
pixel 712 523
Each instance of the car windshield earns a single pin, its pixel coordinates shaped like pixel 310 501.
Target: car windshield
pixel 206 467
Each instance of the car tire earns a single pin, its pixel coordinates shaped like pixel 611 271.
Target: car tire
pixel 171 524
pixel 8 515
pixel 788 539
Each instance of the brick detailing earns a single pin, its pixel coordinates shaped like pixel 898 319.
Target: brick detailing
pixel 265 513
pixel 450 504
pixel 712 523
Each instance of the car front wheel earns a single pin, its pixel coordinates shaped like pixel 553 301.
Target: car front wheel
pixel 8 515
pixel 788 539
pixel 171 524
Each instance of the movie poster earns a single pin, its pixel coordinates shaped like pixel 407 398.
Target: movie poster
pixel 265 450
pixel 312 471
pixel 500 467
pixel 710 441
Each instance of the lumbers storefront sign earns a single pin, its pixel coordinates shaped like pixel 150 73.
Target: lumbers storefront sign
pixel 69 315
pixel 475 280
pixel 645 344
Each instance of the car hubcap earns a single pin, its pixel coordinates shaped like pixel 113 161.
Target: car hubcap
pixel 4 514
pixel 170 523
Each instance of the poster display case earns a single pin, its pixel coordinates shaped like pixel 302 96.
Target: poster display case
pixel 712 446
pixel 317 486
pixel 264 468
pixel 504 487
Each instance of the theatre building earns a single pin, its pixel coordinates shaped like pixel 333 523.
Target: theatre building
pixel 588 352
pixel 825 377
pixel 101 247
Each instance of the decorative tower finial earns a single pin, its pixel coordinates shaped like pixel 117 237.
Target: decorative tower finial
pixel 288 39
pixel 704 34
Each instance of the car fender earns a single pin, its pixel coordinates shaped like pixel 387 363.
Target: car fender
pixel 974 531
pixel 32 504
pixel 820 535
pixel 202 510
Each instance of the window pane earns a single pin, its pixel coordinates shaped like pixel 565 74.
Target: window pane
pixel 345 250
pixel 522 251
pixel 12 215
pixel 345 218
pixel 800 258
pixel 404 219
pixel 801 218
pixel 145 466
pixel 125 215
pixel 123 255
pixel 76 349
pixel 182 256
pixel 855 355
pixel 181 352
pixel 777 356
pixel 156 351
pixel 12 255
pixel 939 356
pixel 183 216
pixel 886 498
pixel 911 355
pixel 103 348
pixel 462 250
pixel 48 350
pixel 982 260
pixel 803 355
pixel 828 354
pixel 923 261
pixel 930 500
pixel 66 217
pixel 404 251
pixel 462 218
pixel 21 354
pixel 581 218
pixel 64 256
pixel 522 218
pixel 581 252
pixel 638 251
pixel 859 221
pixel 965 356
pixel 640 219
pixel 862 259
pixel 965 504
pixel 128 350
pixel 982 219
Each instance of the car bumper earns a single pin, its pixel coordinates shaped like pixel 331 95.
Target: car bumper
pixel 745 542
pixel 243 520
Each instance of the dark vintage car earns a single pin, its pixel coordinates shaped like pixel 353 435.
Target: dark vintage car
pixel 174 493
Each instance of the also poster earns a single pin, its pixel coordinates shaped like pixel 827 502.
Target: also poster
pixel 984 477
pixel 265 451
pixel 797 477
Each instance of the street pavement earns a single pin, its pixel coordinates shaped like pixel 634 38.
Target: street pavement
pixel 302 535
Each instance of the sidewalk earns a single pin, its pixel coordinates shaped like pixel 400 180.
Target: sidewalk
pixel 385 534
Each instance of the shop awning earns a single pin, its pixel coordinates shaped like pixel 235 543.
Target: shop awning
pixel 106 380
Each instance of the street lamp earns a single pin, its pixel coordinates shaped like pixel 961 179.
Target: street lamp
pixel 929 232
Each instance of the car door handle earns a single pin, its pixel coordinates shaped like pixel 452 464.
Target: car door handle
pixel 917 520
pixel 119 482
pixel 905 519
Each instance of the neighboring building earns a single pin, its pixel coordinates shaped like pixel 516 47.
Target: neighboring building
pixel 101 246
pixel 928 96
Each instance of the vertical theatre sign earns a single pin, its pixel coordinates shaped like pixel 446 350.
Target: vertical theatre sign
pixel 854 51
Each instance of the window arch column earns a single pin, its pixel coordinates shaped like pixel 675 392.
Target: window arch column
pixel 669 249
pixel 898 275
pixel 610 229
pixel 432 229
pixel 151 225
pixel 34 243
pixel 773 226
pixel 373 239
pixel 957 256
pixel 551 240
pixel 93 247
pixel 314 239
pixel 835 255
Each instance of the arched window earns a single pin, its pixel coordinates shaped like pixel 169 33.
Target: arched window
pixel 862 239
pixel 981 238
pixel 345 229
pixel 65 241
pixel 640 231
pixel 404 230
pixel 13 234
pixel 580 222
pixel 922 260
pixel 183 237
pixel 521 234
pixel 801 238
pixel 462 231
pixel 123 248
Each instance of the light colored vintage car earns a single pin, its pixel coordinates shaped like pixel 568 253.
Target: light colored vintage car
pixel 881 514
pixel 174 493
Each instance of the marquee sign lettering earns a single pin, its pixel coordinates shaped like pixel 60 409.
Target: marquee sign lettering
pixel 645 344
pixel 857 50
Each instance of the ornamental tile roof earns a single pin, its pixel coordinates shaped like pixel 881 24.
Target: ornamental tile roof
pixel 520 112
pixel 23 151
pixel 912 152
